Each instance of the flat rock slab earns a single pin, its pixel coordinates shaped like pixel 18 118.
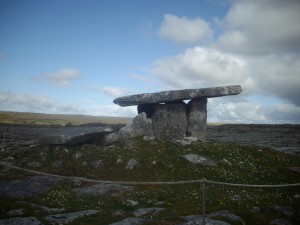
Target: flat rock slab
pixel 69 217
pixel 132 221
pixel 198 159
pixel 178 95
pixel 75 136
pixel 104 189
pixel 21 221
pixel 198 220
pixel 29 186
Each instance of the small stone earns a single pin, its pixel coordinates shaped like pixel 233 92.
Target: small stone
pixel 69 217
pixel 97 164
pixel 132 202
pixel 57 163
pixel 34 164
pixel 16 212
pixel 226 214
pixel 297 196
pixel 21 221
pixel 280 222
pixel 187 141
pixel 132 221
pixel 226 161
pixel 119 161
pixel 119 213
pixel 77 155
pixel 193 158
pixel 132 164
pixel 235 198
pixel 147 212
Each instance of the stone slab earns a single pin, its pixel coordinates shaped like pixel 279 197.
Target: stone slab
pixel 178 95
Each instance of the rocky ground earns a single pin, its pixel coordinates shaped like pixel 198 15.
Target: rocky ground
pixel 28 198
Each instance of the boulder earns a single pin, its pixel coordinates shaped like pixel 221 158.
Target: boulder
pixel 77 135
pixel 132 164
pixel 103 189
pixel 196 118
pixel 195 159
pixel 139 126
pixel 170 96
pixel 69 217
pixel 21 221
pixel 169 121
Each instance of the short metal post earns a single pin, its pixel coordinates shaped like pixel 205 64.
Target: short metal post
pixel 203 201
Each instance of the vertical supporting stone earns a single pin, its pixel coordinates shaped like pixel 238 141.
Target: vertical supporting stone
pixel 196 118
pixel 169 121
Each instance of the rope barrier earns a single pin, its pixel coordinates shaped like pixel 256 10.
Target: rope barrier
pixel 149 183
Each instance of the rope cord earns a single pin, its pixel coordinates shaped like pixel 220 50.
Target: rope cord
pixel 150 183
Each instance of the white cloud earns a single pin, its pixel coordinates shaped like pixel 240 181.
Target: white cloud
pixel 63 77
pixel 261 27
pixel 183 30
pixel 203 67
pixel 237 109
pixel 258 47
pixel 110 90
pixel 11 101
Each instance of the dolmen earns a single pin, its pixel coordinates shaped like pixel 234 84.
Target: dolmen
pixel 165 116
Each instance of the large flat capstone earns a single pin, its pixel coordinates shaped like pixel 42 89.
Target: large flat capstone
pixel 178 95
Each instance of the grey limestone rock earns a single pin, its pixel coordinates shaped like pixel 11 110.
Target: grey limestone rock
pixel 198 220
pixel 226 214
pixel 146 212
pixel 132 164
pixel 21 221
pixel 176 95
pixel 27 187
pixel 280 222
pixel 193 158
pixel 97 164
pixel 104 189
pixel 139 126
pixel 196 118
pixel 78 135
pixel 169 121
pixel 69 217
pixel 132 221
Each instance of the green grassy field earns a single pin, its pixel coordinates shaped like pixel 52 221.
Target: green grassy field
pixel 164 161
pixel 56 119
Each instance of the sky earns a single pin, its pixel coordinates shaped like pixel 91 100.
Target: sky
pixel 77 56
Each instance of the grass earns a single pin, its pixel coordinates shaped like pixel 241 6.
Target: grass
pixel 163 161
pixel 56 119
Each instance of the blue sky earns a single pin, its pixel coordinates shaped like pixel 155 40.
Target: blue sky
pixel 75 57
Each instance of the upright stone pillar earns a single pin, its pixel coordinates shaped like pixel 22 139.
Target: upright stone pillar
pixel 169 121
pixel 196 118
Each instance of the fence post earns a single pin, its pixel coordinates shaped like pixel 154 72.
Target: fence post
pixel 203 201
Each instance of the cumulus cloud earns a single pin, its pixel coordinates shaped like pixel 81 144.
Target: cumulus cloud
pixel 203 67
pixel 261 26
pixel 63 77
pixel 183 30
pixel 10 100
pixel 110 90
pixel 257 47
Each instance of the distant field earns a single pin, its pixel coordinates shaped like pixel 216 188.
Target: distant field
pixel 57 119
